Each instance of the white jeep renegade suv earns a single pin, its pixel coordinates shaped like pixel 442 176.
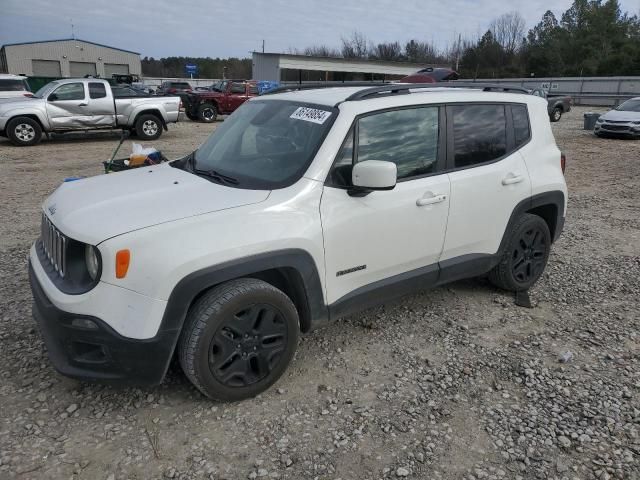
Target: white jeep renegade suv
pixel 302 207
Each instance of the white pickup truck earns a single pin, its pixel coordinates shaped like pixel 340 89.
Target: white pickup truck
pixel 78 104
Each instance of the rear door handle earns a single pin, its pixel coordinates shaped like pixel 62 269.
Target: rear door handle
pixel 421 202
pixel 512 179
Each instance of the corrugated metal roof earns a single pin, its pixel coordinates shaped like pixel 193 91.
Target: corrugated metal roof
pixel 70 40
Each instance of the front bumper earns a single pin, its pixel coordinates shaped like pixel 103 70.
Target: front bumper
pixel 618 129
pixel 98 353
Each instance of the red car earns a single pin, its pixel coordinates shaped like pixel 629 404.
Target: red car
pixel 222 98
pixel 431 75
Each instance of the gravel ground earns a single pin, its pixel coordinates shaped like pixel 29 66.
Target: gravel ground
pixel 454 383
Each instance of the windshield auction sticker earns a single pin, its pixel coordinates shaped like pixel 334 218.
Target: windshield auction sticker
pixel 311 115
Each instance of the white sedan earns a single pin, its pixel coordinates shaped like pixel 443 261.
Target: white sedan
pixel 624 120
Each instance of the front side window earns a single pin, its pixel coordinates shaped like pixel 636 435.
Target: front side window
pixel 479 132
pixel 521 129
pixel 97 90
pixel 265 144
pixel 69 91
pixel 407 137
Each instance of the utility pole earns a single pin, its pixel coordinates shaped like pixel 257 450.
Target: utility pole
pixel 262 45
pixel 73 35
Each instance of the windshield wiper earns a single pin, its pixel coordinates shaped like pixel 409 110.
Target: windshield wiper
pixel 218 177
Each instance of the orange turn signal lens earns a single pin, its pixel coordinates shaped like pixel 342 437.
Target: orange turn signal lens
pixel 123 257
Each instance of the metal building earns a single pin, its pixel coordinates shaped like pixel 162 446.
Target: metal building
pixel 286 67
pixel 67 58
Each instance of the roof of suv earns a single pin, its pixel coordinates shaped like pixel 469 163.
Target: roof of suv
pixel 331 96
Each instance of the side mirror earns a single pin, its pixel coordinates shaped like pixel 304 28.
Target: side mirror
pixel 373 175
pixel 53 97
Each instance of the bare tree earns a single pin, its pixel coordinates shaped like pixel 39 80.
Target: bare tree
pixel 508 30
pixel 355 46
pixel 387 51
pixel 422 52
pixel 321 51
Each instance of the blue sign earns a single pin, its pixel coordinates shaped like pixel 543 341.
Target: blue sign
pixel 191 69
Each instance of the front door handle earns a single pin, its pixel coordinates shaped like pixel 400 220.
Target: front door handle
pixel 512 179
pixel 83 104
pixel 421 202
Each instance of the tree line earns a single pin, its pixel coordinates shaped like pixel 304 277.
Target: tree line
pixel 591 38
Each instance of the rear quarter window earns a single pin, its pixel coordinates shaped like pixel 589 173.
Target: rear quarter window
pixel 521 128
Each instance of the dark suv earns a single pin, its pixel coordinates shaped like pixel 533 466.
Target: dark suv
pixel 173 88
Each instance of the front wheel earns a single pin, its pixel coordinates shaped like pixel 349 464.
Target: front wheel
pixel 24 131
pixel 207 112
pixel 556 114
pixel 525 255
pixel 238 339
pixel 148 127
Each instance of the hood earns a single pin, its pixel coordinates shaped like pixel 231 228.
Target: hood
pixel 91 210
pixel 16 102
pixel 618 116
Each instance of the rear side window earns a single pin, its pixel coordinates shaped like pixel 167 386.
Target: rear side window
pixel 479 134
pixel 11 85
pixel 97 90
pixel 521 127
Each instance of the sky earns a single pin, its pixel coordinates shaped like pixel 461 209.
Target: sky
pixel 212 28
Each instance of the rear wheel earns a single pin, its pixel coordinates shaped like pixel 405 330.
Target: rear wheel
pixel 525 255
pixel 238 339
pixel 556 114
pixel 148 127
pixel 24 131
pixel 207 112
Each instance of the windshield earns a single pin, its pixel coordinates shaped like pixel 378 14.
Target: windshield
pixel 46 90
pixel 266 144
pixel 632 105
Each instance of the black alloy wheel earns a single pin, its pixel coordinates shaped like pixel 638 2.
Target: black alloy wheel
pixel 529 255
pixel 238 339
pixel 524 255
pixel 248 345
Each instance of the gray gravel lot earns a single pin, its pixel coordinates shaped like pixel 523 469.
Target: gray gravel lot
pixel 453 383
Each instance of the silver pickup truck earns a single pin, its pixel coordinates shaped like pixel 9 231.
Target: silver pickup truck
pixel 84 104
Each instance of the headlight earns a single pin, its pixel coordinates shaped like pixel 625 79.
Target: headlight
pixel 599 120
pixel 92 261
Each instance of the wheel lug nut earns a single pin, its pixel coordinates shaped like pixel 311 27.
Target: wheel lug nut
pixel 255 348
pixel 244 354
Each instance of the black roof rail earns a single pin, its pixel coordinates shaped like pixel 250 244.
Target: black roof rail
pixel 404 88
pixel 315 86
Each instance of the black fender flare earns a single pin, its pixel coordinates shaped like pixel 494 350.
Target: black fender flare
pixel 553 197
pixel 297 260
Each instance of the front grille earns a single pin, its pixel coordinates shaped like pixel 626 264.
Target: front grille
pixel 54 245
pixel 616 127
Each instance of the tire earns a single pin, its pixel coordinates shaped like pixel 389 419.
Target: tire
pixel 24 131
pixel 556 114
pixel 238 339
pixel 148 127
pixel 207 113
pixel 525 255
pixel 193 118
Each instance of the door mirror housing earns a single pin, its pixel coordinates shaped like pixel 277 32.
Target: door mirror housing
pixel 53 97
pixel 374 175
